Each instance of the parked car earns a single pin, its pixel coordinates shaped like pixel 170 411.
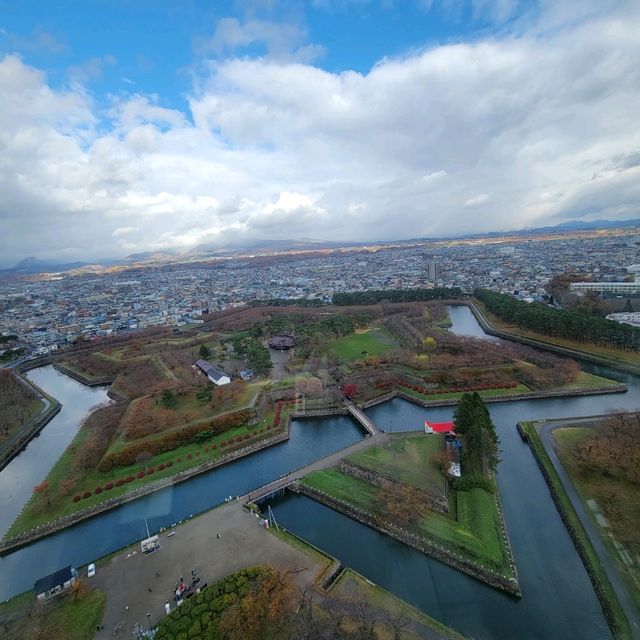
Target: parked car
pixel 91 570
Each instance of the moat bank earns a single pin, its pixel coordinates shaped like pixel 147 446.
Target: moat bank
pixel 310 439
pixel 32 465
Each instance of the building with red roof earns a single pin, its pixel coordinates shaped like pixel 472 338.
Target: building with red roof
pixel 439 427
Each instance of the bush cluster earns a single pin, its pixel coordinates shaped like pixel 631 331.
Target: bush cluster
pixel 129 454
pixel 198 616
pixel 426 391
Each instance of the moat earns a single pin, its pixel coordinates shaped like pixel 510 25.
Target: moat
pixel 558 599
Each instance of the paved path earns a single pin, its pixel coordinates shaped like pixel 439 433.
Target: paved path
pixel 378 439
pixel 627 603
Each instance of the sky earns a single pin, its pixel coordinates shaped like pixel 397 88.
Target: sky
pixel 129 127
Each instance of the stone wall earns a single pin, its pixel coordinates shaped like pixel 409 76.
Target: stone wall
pixel 11 544
pixel 435 501
pixel 428 547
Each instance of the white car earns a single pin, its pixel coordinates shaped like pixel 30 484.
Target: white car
pixel 91 570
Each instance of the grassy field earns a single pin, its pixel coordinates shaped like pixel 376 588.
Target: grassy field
pixel 618 500
pixel 358 346
pixel 13 418
pixel 613 355
pixel 406 459
pixel 66 618
pixel 188 409
pixel 607 596
pixel 43 508
pixel 351 586
pixel 455 395
pixel 475 535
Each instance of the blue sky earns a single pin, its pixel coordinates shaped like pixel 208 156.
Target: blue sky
pixel 165 124
pixel 153 46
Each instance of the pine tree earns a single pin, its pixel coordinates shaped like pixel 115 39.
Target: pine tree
pixel 480 441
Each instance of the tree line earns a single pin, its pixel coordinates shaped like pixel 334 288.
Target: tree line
pixel 287 302
pixel 561 323
pixel 375 296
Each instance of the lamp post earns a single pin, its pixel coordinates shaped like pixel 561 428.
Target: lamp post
pixel 149 620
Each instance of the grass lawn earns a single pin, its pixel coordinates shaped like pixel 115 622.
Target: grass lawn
pixel 13 419
pixel 475 535
pixel 357 346
pixel 38 512
pixel 589 381
pixel 406 459
pixel 617 499
pixel 608 597
pixel 352 586
pixel 455 395
pixel 188 409
pixel 63 619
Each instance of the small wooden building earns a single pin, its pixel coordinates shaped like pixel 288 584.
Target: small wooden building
pixel 55 584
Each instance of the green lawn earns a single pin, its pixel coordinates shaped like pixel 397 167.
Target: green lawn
pixel 406 459
pixel 589 381
pixel 65 618
pixel 37 511
pixel 476 534
pixel 357 346
pixel 484 393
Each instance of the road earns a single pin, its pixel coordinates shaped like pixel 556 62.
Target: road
pixel 626 602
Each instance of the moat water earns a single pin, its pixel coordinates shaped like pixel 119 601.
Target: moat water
pixel 558 599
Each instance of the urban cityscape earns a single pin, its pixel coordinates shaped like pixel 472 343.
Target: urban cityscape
pixel 320 320
pixel 49 311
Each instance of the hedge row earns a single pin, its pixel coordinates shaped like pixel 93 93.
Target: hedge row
pixel 425 391
pixel 130 454
pixel 169 463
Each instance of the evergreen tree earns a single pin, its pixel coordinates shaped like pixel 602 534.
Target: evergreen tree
pixel 205 352
pixel 480 441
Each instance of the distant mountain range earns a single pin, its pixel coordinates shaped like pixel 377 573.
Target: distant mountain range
pixel 204 252
pixel 576 225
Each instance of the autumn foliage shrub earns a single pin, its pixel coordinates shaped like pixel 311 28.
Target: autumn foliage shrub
pixel 172 440
pixel 97 490
pixel 77 498
pixel 108 486
pixel 86 494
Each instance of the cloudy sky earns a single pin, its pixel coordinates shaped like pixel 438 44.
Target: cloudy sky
pixel 128 127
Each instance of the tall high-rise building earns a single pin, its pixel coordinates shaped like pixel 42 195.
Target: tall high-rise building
pixel 433 271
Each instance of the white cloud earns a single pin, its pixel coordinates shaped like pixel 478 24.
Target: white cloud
pixel 281 41
pixel 526 128
pixel 476 201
